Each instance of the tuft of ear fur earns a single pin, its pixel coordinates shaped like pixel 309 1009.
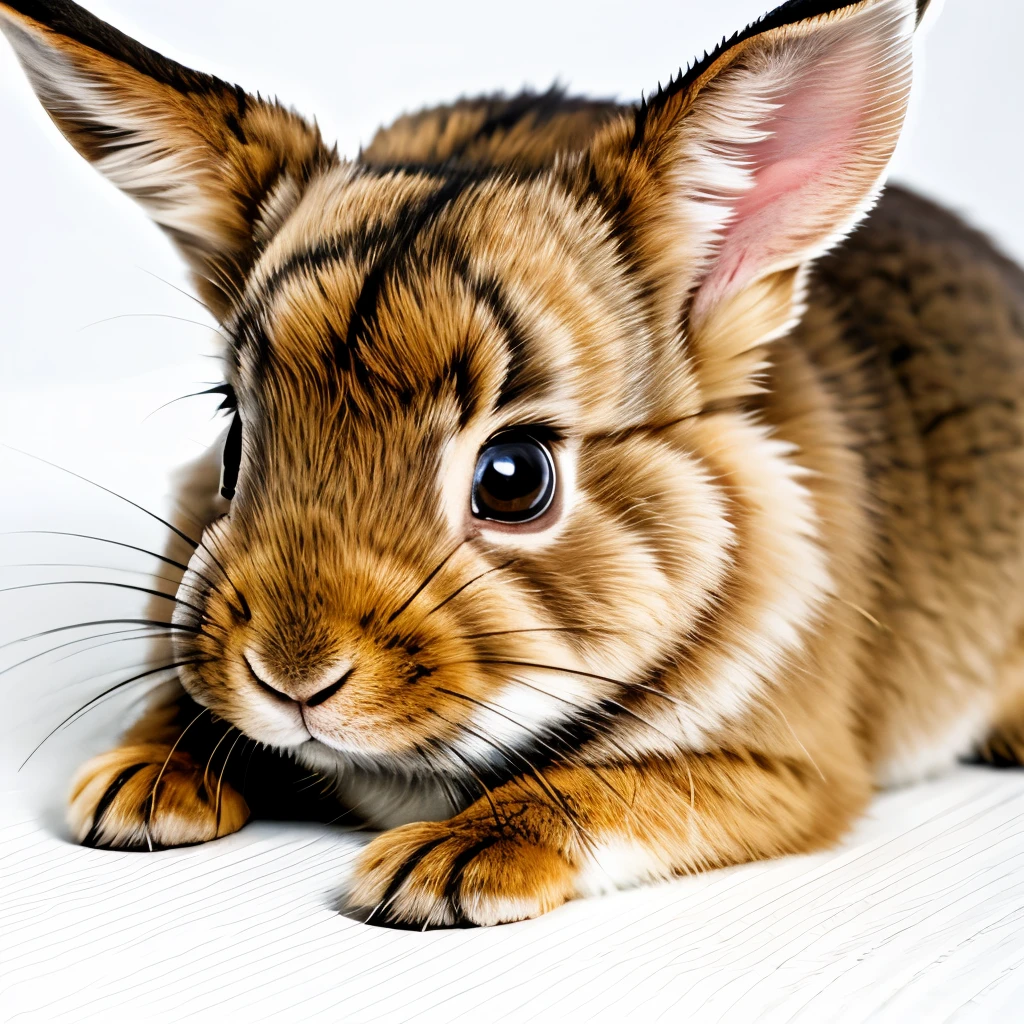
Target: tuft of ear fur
pixel 755 161
pixel 216 168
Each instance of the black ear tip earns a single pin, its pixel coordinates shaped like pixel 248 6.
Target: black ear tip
pixel 29 8
pixel 59 15
pixel 72 22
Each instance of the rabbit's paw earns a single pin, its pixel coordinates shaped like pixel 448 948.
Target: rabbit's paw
pixel 144 797
pixel 469 869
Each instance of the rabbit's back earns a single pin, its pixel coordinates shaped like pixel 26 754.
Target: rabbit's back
pixel 915 329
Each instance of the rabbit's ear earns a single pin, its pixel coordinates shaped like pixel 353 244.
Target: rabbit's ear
pixel 216 168
pixel 756 160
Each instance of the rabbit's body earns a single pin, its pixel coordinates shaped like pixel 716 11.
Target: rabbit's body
pixel 914 329
pixel 585 525
pixel 901 389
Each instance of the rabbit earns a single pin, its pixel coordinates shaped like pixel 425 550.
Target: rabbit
pixel 611 492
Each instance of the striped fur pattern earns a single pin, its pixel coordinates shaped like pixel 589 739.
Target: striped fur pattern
pixel 763 584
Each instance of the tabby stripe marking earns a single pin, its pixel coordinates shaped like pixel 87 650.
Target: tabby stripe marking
pixel 92 839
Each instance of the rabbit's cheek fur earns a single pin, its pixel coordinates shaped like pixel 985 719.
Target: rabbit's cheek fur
pixel 778 581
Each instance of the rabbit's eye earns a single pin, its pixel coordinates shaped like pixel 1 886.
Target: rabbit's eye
pixel 232 458
pixel 514 480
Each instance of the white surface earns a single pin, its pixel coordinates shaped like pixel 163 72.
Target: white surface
pixel 917 917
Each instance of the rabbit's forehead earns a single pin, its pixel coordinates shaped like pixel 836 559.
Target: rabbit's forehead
pixel 384 287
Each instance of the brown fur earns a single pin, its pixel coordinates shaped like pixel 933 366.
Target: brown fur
pixel 785 561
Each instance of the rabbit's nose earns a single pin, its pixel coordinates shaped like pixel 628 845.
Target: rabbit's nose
pixel 316 688
pixel 328 691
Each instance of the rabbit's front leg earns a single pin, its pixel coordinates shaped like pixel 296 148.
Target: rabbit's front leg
pixel 532 844
pixel 164 786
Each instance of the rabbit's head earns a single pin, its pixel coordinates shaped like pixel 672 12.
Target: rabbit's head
pixel 493 469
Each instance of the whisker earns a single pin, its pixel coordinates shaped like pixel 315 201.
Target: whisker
pixel 157 316
pixel 459 590
pixel 542 780
pixel 248 764
pixel 622 707
pixel 205 548
pixel 181 291
pixel 494 709
pixel 110 690
pixel 586 675
pixel 167 761
pixel 577 672
pixel 78 476
pixel 123 640
pixel 220 779
pixel 472 771
pixel 800 743
pixel 548 668
pixel 426 582
pixel 596 630
pixel 678 703
pixel 103 583
pixel 101 698
pixel 195 520
pixel 441 777
pixel 115 543
pixel 102 622
pixel 227 732
pixel 626 755
pixel 89 565
pixel 311 780
pixel 78 640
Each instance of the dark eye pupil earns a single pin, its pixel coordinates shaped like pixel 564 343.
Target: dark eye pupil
pixel 514 480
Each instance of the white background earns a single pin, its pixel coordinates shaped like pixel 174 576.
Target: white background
pixel 919 915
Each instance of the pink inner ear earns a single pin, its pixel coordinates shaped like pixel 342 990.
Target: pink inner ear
pixel 806 178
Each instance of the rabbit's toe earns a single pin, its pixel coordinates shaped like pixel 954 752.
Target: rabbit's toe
pixel 467 870
pixel 145 797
